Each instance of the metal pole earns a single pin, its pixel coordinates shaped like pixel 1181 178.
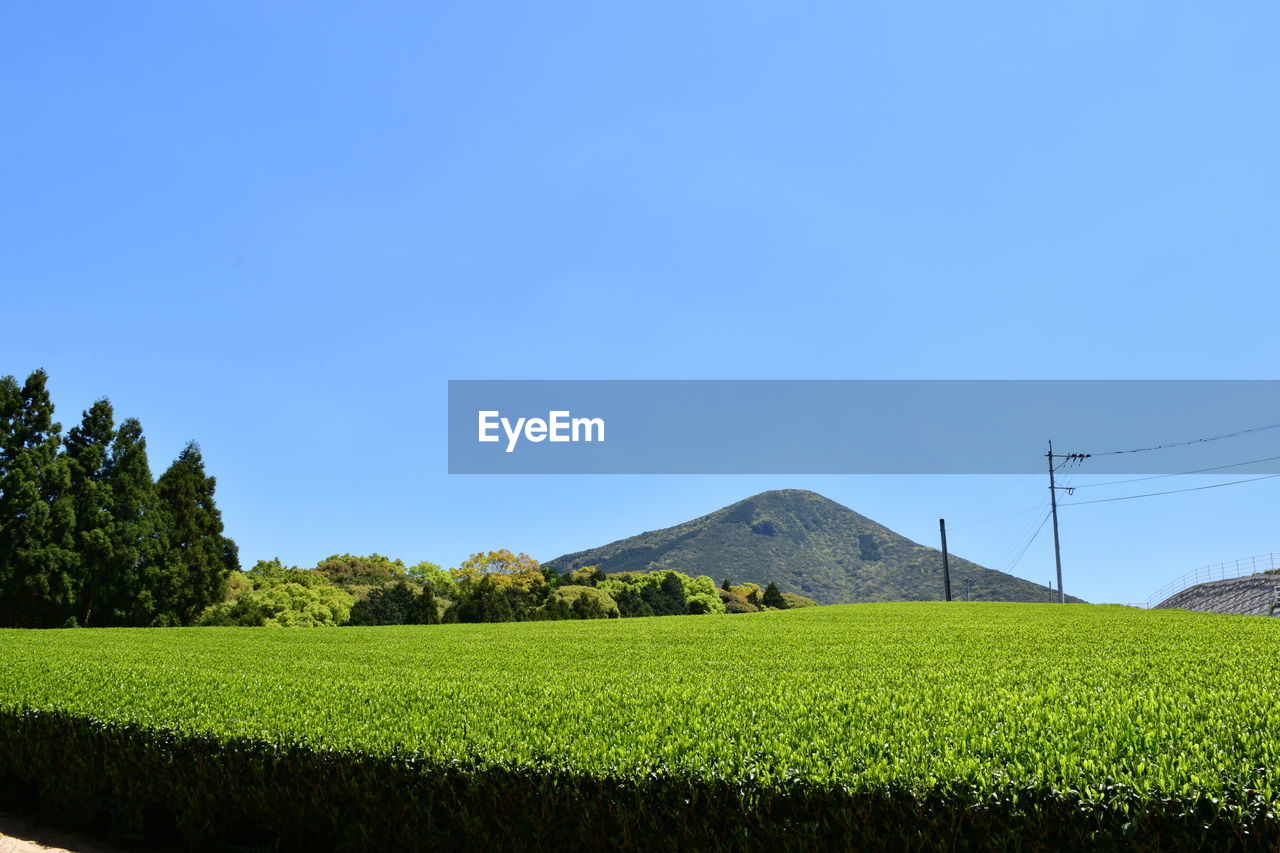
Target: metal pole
pixel 946 565
pixel 1057 548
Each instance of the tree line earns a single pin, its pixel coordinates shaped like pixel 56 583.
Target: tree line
pixel 493 586
pixel 87 536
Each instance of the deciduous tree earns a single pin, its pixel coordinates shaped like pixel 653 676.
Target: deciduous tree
pixel 504 568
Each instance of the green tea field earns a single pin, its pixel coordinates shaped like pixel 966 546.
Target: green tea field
pixel 923 725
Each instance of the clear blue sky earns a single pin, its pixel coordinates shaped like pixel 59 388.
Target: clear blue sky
pixel 280 228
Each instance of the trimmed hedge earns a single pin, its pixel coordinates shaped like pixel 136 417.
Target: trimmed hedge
pixel 885 726
pixel 208 793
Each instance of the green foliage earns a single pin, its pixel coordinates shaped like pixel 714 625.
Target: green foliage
pixel 806 544
pixel 629 599
pixel 373 570
pixel 736 601
pixel 578 602
pixel 794 600
pixel 383 606
pixel 483 599
pixel 291 605
pixel 267 573
pixel 751 592
pixel 773 598
pixel 664 591
pixel 197 557
pixel 132 588
pixel 397 604
pixel 86 536
pixel 88 453
pixel 894 726
pixel 475 595
pixel 272 595
pixel 700 585
pixel 505 568
pixel 705 602
pixel 38 561
pixel 441 582
pixel 585 576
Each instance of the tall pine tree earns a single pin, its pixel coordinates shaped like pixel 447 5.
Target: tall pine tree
pixel 197 557
pixel 10 406
pixel 133 590
pixel 88 449
pixel 37 519
pixel 86 536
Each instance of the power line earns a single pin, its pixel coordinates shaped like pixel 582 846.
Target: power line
pixel 990 498
pixel 1006 557
pixel 1070 465
pixel 1042 505
pixel 1178 474
pixel 1027 547
pixel 1171 492
pixel 1020 541
pixel 1185 443
pixel 1069 468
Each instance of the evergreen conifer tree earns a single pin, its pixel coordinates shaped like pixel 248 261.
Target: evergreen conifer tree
pixel 131 588
pixel 425 611
pixel 773 598
pixel 197 557
pixel 632 603
pixel 666 599
pixel 88 451
pixel 37 520
pixel 10 406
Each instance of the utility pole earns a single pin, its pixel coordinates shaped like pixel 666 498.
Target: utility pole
pixel 946 565
pixel 1053 503
pixel 1057 548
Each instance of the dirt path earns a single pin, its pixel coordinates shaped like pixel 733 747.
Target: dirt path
pixel 21 836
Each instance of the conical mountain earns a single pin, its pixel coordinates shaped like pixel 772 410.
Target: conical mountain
pixel 807 544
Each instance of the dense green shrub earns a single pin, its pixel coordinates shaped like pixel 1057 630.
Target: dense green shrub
pixel 351 570
pixel 396 604
pixel 735 601
pixel 272 595
pixel 578 602
pixel 773 597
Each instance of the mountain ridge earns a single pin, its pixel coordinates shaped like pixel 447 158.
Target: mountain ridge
pixel 807 544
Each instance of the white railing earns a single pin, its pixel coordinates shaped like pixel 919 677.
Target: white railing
pixel 1216 572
